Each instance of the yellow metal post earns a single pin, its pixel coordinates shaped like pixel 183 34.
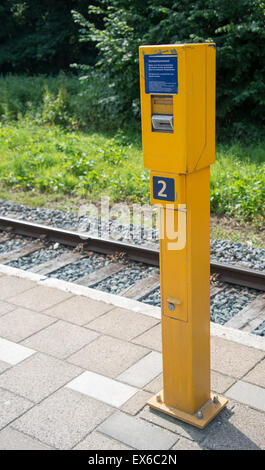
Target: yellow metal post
pixel 178 113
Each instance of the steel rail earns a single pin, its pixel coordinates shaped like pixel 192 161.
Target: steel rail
pixel 241 276
pixel 226 272
pixel 70 238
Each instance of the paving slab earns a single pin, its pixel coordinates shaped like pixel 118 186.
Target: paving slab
pixel 143 371
pixel 176 426
pixel 102 388
pixel 155 385
pixel 257 375
pixel 136 403
pixel 122 323
pixel 21 323
pixel 220 382
pixel 137 433
pixel 13 353
pixel 79 310
pixel 11 406
pixel 45 411
pixel 249 394
pixel 108 356
pixel 64 419
pixel 233 359
pixel 97 441
pixel 185 444
pixel 10 439
pixel 39 298
pixel 38 376
pixel 5 307
pixel 3 366
pixel 240 429
pixel 151 339
pixel 61 339
pixel 12 286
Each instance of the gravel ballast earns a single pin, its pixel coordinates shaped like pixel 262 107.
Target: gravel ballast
pixel 39 257
pixel 221 250
pixel 125 278
pixel 224 305
pixel 13 244
pixel 74 271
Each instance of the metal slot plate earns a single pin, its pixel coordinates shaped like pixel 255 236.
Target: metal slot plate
pixel 162 123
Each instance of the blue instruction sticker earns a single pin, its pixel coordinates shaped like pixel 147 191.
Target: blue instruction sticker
pixel 161 74
pixel 163 188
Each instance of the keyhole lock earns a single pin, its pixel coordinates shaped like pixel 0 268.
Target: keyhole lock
pixel 172 303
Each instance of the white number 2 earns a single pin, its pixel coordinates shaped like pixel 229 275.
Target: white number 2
pixel 161 192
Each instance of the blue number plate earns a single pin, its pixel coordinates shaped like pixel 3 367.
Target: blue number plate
pixel 163 188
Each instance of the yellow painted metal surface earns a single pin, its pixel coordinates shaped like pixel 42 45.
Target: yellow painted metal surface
pixel 192 144
pixel 185 275
pixel 179 160
pixel 180 189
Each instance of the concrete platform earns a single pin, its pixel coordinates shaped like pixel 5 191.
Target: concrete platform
pixel 78 365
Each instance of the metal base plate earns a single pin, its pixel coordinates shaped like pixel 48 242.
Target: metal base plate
pixel 208 411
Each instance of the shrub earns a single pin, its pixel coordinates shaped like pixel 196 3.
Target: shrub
pixel 237 28
pixel 49 97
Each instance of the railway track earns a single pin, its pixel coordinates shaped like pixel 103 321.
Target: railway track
pixel 119 254
pixel 226 273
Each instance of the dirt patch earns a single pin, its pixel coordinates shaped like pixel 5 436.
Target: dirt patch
pixel 232 229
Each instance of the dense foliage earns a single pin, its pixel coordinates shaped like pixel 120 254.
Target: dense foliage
pixel 44 36
pixel 62 100
pixel 40 36
pixel 237 28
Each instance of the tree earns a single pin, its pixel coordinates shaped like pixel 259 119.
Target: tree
pixel 40 36
pixel 237 28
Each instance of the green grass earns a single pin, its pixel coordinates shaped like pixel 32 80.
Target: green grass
pixel 48 159
pixel 238 182
pixel 45 160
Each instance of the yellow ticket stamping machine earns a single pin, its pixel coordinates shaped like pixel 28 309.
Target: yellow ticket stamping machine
pixel 178 132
